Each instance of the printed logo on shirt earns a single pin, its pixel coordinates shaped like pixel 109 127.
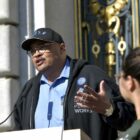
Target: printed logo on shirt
pixel 77 109
pixel 80 83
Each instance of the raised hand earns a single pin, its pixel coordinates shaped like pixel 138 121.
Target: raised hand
pixel 89 99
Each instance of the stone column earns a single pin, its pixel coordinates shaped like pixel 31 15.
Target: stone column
pixel 9 60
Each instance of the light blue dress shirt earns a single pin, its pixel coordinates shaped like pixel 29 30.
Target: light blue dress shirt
pixel 52 95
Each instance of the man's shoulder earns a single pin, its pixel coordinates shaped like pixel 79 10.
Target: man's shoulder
pixel 86 67
pixel 93 68
pixel 33 80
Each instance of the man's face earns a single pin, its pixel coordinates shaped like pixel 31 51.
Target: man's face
pixel 46 56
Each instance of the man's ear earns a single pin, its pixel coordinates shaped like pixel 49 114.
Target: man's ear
pixel 62 46
pixel 130 83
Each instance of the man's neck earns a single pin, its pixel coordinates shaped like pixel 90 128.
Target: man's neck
pixel 54 73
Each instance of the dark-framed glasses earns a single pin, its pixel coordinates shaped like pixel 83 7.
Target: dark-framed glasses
pixel 40 48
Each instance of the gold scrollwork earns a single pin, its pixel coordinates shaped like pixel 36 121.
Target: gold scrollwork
pixel 108 11
pixel 110 57
pixel 95 49
pixel 108 14
pixel 110 50
pixel 108 22
pixel 114 29
pixel 122 46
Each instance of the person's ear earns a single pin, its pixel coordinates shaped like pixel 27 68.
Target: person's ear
pixel 62 46
pixel 130 83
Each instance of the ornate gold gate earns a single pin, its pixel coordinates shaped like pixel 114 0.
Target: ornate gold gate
pixel 106 30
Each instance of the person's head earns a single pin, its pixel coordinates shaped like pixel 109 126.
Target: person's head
pixel 46 48
pixel 129 81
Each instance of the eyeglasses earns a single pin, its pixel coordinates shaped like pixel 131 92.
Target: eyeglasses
pixel 40 48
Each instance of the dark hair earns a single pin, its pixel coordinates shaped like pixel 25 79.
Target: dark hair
pixel 131 65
